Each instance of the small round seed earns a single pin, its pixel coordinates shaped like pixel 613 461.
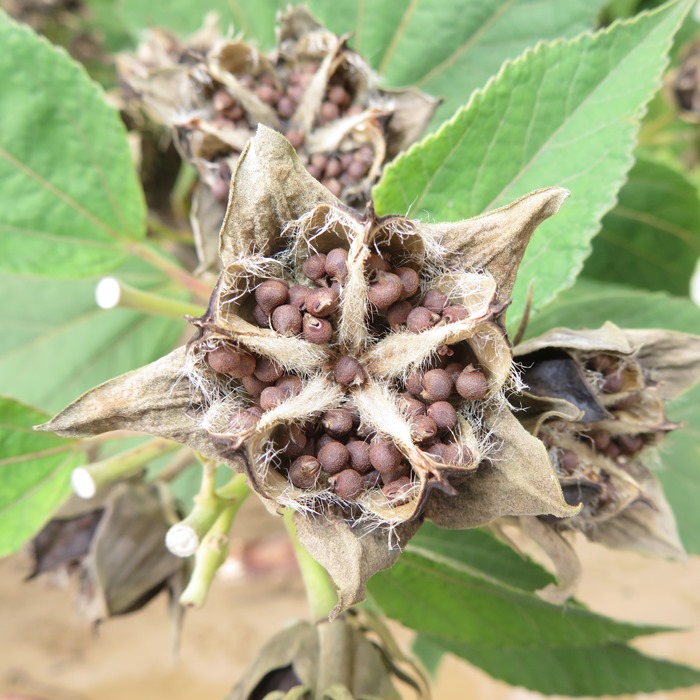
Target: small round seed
pixel 411 407
pixel 253 385
pixel 285 107
pixel 271 294
pixel 385 291
pixel 601 439
pixel 348 371
pixel 436 450
pixel 232 362
pixel 359 456
pixel 420 319
pixel 409 281
pixel 337 264
pixel 613 383
pixel 435 301
pixel 314 266
pixel 444 415
pixel 334 168
pixel 289 383
pixel 376 263
pixel 294 441
pixel 602 363
pixel 304 471
pixel 333 456
pixel 267 94
pixel 322 302
pixel 357 169
pixel 333 185
pixel 317 330
pixel 272 396
pixel 296 137
pixel 630 444
pixel 222 100
pixel 314 171
pixel 319 160
pixel 371 479
pixel 454 369
pixel 569 460
pixel 260 317
pixel 471 384
pixel 397 314
pixel 423 428
pixel 337 422
pixel 243 420
pixel 401 469
pixel 286 319
pixel 297 295
pixel 348 484
pixel 384 455
pixel 323 440
pixel 267 370
pixel 437 385
pixel 452 314
pixel 613 450
pixel 457 454
pixel 328 112
pixel 339 95
pixel 396 490
pixel 414 383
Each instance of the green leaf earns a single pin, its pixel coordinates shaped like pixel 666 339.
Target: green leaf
pixel 564 114
pixel 608 669
pixel 35 473
pixel 588 305
pixel 57 344
pixel 651 239
pixel 70 200
pixel 462 605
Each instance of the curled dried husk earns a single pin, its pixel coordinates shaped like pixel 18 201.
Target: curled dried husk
pixel 211 92
pixel 278 215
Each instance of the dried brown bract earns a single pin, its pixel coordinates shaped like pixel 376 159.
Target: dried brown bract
pixel 299 431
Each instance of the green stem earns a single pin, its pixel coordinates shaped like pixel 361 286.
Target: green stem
pixel 157 229
pixel 320 590
pixel 111 292
pixel 175 272
pixel 87 480
pixel 212 552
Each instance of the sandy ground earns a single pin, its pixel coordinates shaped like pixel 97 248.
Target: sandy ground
pixel 48 652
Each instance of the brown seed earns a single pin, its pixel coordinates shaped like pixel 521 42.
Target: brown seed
pixel 293 441
pixel 314 171
pixel 231 361
pixel 396 490
pixel 444 415
pixel 290 384
pixel 314 266
pixel 612 450
pixel 220 190
pixel 260 317
pixel 357 170
pixel 376 263
pixel 452 314
pixel 296 137
pixel 613 383
pixel 286 319
pixel 267 94
pixel 420 319
pixel 235 113
pixel 317 330
pixel 271 294
pixel 253 385
pixel 411 407
pixel 397 314
pixel 401 469
pixel 304 471
pixel 630 444
pixel 409 281
pixel 454 369
pixel 384 455
pixel 222 100
pixel 435 301
pixel 243 420
pixel 601 439
pixel 323 440
pixel 346 159
pixel 272 396
pixel 437 385
pixel 339 95
pixel 385 291
pixel 285 107
pixel 297 295
pixel 414 383
pixel 359 456
pixel 337 264
pixel 457 454
pixel 371 479
pixel 436 450
pixel 423 428
pixel 348 371
pixel 322 302
pixel 337 422
pixel 268 370
pixel 602 363
pixel 568 460
pixel 328 112
pixel 334 168
pixel 333 456
pixel 471 384
pixel 348 484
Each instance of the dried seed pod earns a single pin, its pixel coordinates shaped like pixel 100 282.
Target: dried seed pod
pixel 337 264
pixel 315 266
pixel 409 281
pixel 444 415
pixel 271 294
pixel 322 302
pixel 397 314
pixel 337 422
pixel 423 428
pixel 452 314
pixel 231 361
pixel 317 330
pixel 471 384
pixel 333 456
pixel 348 484
pixel 348 371
pixel 437 385
pixel 385 291
pixel 359 456
pixel 420 319
pixel 272 396
pixel 286 320
pixel 384 455
pixel 304 471
pixel 435 300
pixel 297 296
pixel 268 370
pixel 396 490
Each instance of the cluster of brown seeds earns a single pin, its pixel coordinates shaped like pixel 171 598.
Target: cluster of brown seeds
pixel 336 450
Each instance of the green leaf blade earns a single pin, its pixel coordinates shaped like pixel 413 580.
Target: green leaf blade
pixel 573 108
pixel 35 471
pixel 71 201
